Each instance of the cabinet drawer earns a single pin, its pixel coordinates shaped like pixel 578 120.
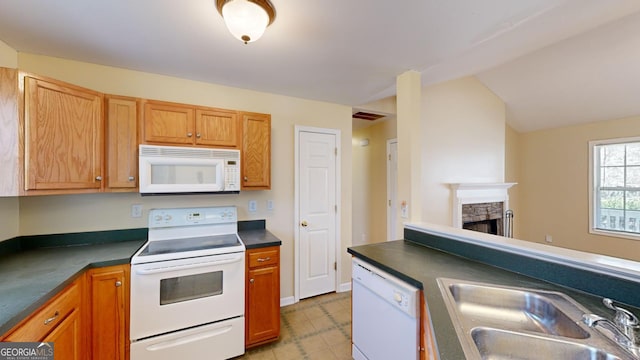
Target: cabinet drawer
pixel 44 320
pixel 263 258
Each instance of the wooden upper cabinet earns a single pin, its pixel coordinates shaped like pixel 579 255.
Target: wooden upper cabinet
pixel 256 151
pixel 122 144
pixel 64 137
pixel 218 128
pixel 187 125
pixel 168 123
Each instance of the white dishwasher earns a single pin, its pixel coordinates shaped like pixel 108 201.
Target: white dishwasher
pixel 385 315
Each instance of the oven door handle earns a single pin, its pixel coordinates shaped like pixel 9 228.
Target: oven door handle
pixel 164 269
pixel 188 339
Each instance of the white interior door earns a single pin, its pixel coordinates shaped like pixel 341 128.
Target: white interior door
pixel 317 206
pixel 392 189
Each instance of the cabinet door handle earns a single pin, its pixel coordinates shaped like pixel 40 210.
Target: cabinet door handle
pixel 264 259
pixel 246 178
pixel 189 134
pixel 198 135
pixel 52 319
pixel 251 281
pixel 99 178
pixel 304 223
pixel 118 283
pixel 132 178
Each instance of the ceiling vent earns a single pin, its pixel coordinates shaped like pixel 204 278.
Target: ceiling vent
pixel 367 116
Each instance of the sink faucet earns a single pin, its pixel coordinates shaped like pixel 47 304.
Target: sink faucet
pixel 625 326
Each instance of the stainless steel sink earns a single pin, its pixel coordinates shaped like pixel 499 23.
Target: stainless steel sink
pixel 500 322
pixel 495 344
pixel 518 309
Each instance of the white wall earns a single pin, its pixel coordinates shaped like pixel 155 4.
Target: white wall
pixel 463 140
pixel 73 213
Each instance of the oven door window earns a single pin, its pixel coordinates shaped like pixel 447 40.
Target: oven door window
pixel 190 287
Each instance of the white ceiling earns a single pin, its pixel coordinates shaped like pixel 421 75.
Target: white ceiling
pixel 553 62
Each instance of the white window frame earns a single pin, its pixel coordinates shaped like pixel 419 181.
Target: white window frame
pixel 593 188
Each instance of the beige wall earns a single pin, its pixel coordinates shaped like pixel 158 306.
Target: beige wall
pixel 9 221
pixel 553 187
pixel 370 182
pixel 72 213
pixel 512 174
pixel 8 56
pixel 463 141
pixel 9 207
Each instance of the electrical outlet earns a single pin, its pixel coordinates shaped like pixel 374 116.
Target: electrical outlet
pixel 548 238
pixel 136 210
pixel 253 206
pixel 270 205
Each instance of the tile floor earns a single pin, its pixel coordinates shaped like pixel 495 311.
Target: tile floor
pixel 315 328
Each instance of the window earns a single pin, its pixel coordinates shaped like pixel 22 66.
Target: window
pixel 615 180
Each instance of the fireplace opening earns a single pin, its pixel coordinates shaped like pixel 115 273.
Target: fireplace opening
pixel 485 226
pixel 484 217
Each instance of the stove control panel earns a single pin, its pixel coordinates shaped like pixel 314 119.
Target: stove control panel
pixel 192 216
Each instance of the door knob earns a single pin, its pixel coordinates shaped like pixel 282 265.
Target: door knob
pixel 304 223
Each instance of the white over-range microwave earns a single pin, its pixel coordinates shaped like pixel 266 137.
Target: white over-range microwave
pixel 183 170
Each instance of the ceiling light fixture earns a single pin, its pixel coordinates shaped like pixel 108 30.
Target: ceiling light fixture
pixel 246 19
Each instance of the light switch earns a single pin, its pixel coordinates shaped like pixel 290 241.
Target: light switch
pixel 270 205
pixel 253 206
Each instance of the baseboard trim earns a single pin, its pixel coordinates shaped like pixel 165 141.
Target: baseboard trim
pixel 287 301
pixel 344 287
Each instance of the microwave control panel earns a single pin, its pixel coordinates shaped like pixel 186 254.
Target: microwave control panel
pixel 231 175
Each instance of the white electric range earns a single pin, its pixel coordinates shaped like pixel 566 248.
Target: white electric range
pixel 187 286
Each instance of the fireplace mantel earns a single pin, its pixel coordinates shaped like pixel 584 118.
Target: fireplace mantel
pixel 476 193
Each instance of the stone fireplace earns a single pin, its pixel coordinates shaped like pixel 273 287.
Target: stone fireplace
pixel 484 217
pixel 480 206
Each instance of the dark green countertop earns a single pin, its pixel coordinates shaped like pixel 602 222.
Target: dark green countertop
pixel 29 278
pixel 422 266
pixel 259 238
pixel 254 234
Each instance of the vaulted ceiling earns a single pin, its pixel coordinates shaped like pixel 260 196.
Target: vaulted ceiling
pixel 553 62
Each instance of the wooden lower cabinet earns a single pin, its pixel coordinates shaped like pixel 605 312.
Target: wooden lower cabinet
pixel 67 337
pixel 109 312
pixel 59 321
pixel 89 319
pixel 427 341
pixel 262 303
